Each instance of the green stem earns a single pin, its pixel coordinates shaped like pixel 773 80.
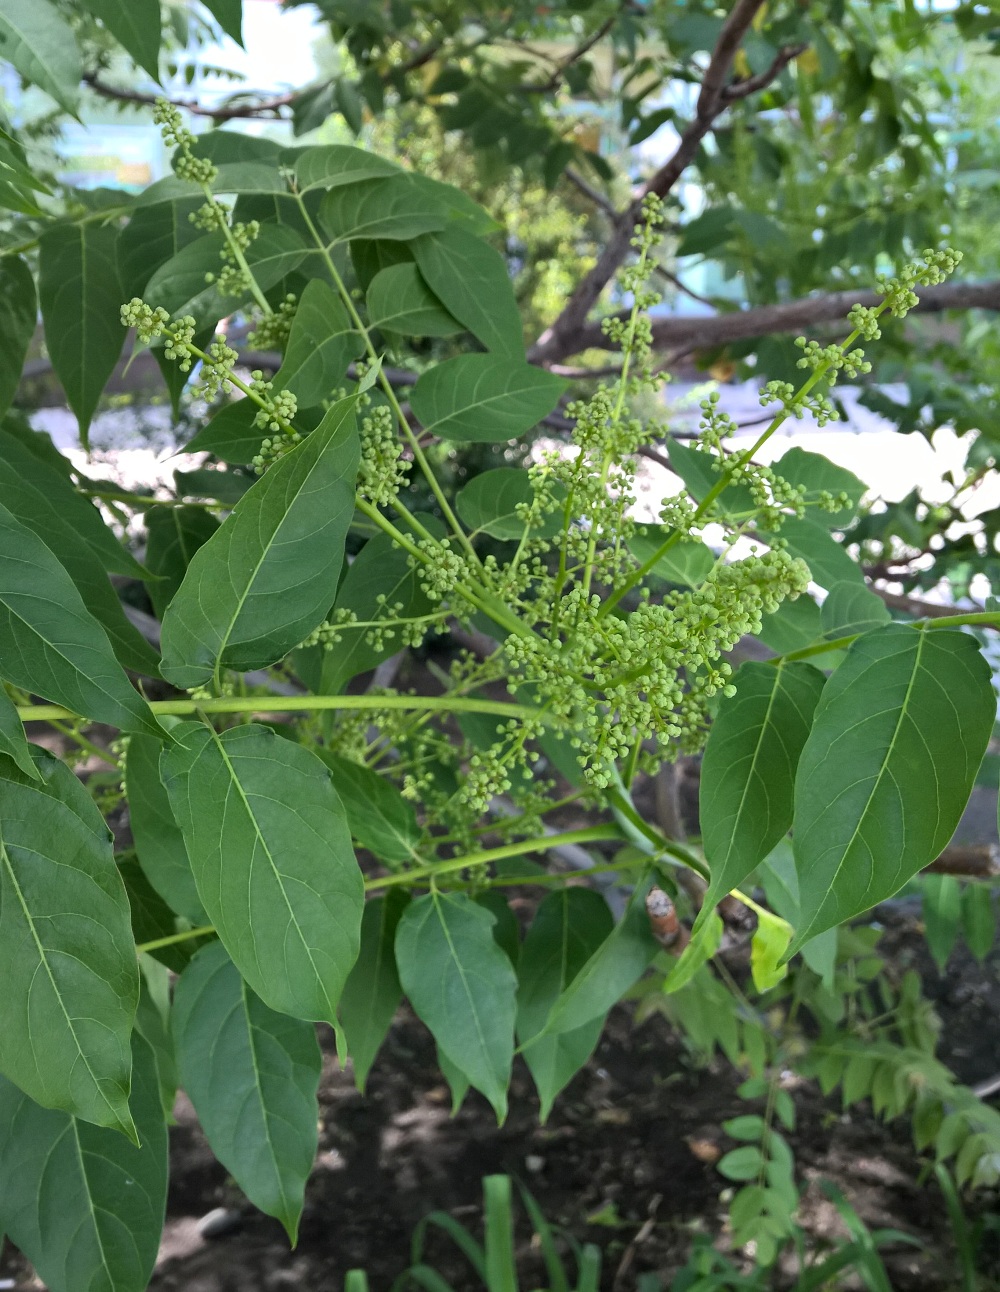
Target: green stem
pixel 140 501
pixel 591 834
pixel 974 619
pixel 174 938
pixel 239 257
pixel 302 704
pixel 87 745
pixel 599 868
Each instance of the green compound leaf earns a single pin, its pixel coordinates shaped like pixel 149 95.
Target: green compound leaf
pixel 472 282
pixel 42 47
pixel 173 535
pixel 478 398
pixel 272 858
pixel 462 985
pixel 321 344
pixel 135 24
pixel 159 844
pixel 489 503
pixel 394 208
pixel 372 992
pixel 852 608
pixel 269 575
pixel 377 814
pixel 50 644
pixel 339 164
pixel 13 742
pixel 18 317
pixel 748 771
pixel 252 1075
pixel 567 930
pixel 67 959
pixel 81 298
pixel 888 768
pixel 83 1204
pixel 400 301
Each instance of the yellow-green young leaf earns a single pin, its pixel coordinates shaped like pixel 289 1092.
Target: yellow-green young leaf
pixel 400 301
pixel 768 945
pixel 705 939
pixel 372 992
pixel 338 164
pixel 67 959
pixel 979 926
pixel 81 298
pixel 50 644
pixel 173 535
pixel 83 1204
pixel 18 317
pixel 272 859
pixel 269 575
pixel 472 282
pixel 744 1163
pixel 888 768
pixel 159 844
pixel 378 816
pixel 394 208
pixel 490 500
pixel 567 930
pixel 462 986
pixel 620 960
pixel 13 742
pixel 748 772
pixel 40 44
pixel 479 398
pixel 942 914
pixel 321 344
pixel 136 25
pixel 252 1075
pixel 852 608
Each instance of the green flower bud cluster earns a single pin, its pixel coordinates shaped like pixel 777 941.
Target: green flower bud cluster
pixel 279 408
pixel 381 471
pixel 271 331
pixel 217 369
pixel 831 360
pixel 932 268
pixel 211 217
pixel 149 323
pixel 797 404
pixel 863 319
pixel 199 170
pixel 714 425
pixel 440 575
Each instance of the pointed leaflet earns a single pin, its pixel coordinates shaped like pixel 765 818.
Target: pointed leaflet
pixel 67 959
pixel 828 561
pixel 18 317
pixel 792 626
pixel 399 300
pixel 852 608
pixel 42 47
pixel 393 208
pixel 269 575
pixel 154 234
pixel 462 986
pixel 887 769
pixel 252 1075
pixel 50 644
pixel 748 771
pixel 229 15
pixel 378 816
pixel 13 742
pixel 173 535
pixel 817 474
pixel 272 858
pixel 81 299
pixel 491 499
pixel 159 844
pixel 472 282
pixel 372 992
pixel 83 1204
pixel 478 398
pixel 321 343
pixel 567 930
pixel 337 164
pixel 136 25
pixel 685 563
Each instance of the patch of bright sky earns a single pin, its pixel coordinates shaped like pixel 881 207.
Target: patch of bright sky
pixel 279 53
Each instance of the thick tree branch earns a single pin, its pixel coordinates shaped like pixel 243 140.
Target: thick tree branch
pixel 687 334
pixel 267 107
pixel 562 338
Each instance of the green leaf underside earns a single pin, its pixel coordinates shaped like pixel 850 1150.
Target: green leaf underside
pixel 18 317
pixel 400 301
pixel 490 500
pixel 80 297
pixel 229 15
pixel 269 575
pixel 794 625
pixel 50 644
pixel 159 844
pixel 887 769
pixel 462 986
pixel 567 930
pixel 472 282
pixel 337 164
pixel 852 608
pixel 82 1202
pixel 372 992
pixel 321 344
pixel 252 1075
pixel 42 47
pixel 67 959
pixel 378 816
pixel 272 858
pixel 136 25
pixel 748 770
pixel 479 398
